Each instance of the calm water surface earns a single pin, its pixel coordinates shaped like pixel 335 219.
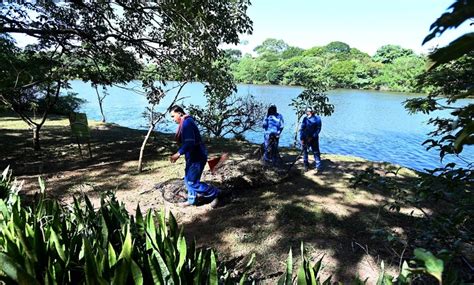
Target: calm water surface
pixel 368 124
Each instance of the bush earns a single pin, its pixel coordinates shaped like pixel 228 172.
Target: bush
pixel 64 105
pixel 49 243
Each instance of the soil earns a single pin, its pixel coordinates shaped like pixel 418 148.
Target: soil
pixel 264 209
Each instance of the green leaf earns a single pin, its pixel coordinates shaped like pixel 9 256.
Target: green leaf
pixel 289 268
pixel 111 255
pixel 162 222
pixel 53 238
pixel 121 272
pixel 104 230
pixel 15 271
pixel 434 266
pixel 405 272
pixel 303 267
pixel 41 184
pixel 5 173
pixel 454 50
pixel 286 277
pixel 198 266
pixel 136 273
pixel 150 231
pixel 465 136
pixel 139 220
pixel 90 267
pixel 154 269
pixel 247 268
pixel 302 275
pixel 89 206
pixel 182 254
pixel 126 252
pixel 4 210
pixel 213 270
pixel 174 229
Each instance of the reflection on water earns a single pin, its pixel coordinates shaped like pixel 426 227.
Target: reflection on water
pixel 369 124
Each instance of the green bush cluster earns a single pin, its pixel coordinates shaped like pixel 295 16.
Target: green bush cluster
pixel 64 104
pixel 48 243
pixel 337 65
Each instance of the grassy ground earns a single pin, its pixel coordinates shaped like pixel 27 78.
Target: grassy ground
pixel 333 219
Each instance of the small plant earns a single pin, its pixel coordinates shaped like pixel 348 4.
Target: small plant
pixel 5 183
pixel 424 266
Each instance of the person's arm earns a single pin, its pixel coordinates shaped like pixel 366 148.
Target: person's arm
pixel 282 124
pixel 189 139
pixel 265 123
pixel 320 126
pixel 302 130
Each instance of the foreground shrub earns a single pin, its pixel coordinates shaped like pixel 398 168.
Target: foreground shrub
pixel 50 243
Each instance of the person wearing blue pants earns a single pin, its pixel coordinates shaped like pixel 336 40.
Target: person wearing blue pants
pixel 195 153
pixel 273 125
pixel 309 136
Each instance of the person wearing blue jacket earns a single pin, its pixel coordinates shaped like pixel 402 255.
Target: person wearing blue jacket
pixel 309 136
pixel 273 125
pixel 195 153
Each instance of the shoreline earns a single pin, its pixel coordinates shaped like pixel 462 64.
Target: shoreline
pixel 13 123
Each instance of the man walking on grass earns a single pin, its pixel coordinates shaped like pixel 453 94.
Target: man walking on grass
pixel 195 154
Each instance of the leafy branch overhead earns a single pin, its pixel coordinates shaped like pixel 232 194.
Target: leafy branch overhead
pixel 108 42
pixel 226 112
pixel 461 11
pixel 450 74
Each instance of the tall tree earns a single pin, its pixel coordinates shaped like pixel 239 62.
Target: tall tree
pixel 314 96
pixel 448 227
pixel 225 112
pixel 271 46
pixel 106 70
pixel 388 53
pixel 181 35
pixel 28 78
pixel 458 130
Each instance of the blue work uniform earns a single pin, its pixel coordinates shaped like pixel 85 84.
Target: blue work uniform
pixel 196 157
pixel 273 125
pixel 309 133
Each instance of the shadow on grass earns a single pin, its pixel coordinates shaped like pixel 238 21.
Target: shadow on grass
pixel 327 217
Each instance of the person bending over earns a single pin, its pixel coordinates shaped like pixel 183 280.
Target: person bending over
pixel 273 125
pixel 195 153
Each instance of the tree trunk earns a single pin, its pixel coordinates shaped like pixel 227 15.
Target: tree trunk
pixel 100 104
pixel 102 112
pixel 142 149
pixel 298 118
pixel 36 138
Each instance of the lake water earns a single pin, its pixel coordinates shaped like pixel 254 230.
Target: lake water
pixel 370 124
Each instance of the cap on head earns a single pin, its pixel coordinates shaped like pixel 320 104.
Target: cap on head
pixel 309 109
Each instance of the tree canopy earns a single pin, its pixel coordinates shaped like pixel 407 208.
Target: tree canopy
pixel 335 65
pixel 107 42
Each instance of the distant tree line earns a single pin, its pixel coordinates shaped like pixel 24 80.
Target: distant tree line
pixel 336 65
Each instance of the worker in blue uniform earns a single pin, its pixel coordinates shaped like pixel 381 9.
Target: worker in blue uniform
pixel 273 125
pixel 309 137
pixel 192 147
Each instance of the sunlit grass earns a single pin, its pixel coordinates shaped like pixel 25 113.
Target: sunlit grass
pixel 16 123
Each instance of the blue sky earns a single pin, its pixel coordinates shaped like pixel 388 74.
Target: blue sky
pixel 363 24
